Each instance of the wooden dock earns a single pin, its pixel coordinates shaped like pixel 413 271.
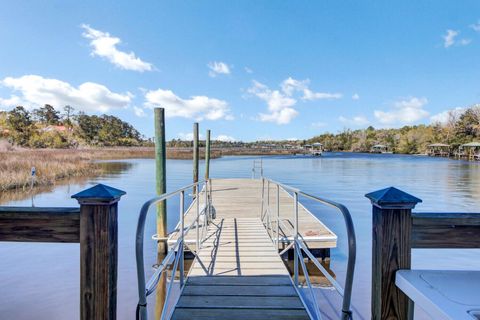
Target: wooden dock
pixel 238 275
pixel 242 198
pixel 238 272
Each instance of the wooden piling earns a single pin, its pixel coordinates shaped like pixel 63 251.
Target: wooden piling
pixel 207 155
pixel 391 251
pixel 98 252
pixel 195 155
pixel 161 179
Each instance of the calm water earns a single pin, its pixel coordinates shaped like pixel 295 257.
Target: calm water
pixel 42 280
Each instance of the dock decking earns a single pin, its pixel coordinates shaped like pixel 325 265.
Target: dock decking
pixel 242 198
pixel 238 272
pixel 238 275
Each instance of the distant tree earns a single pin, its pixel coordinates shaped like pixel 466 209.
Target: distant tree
pixel 88 127
pixel 20 122
pixel 468 125
pixel 47 115
pixel 68 114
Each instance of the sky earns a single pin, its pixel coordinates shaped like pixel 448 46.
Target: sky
pixel 247 70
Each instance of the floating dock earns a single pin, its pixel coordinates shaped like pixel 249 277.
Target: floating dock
pixel 242 198
pixel 238 272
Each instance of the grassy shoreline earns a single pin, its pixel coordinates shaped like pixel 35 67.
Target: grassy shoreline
pixel 53 165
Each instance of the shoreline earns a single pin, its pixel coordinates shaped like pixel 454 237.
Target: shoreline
pixel 53 165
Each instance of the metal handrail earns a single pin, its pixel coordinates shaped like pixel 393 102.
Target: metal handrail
pixel 145 289
pixel 299 244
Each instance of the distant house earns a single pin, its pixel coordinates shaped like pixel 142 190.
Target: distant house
pixel 438 150
pixel 380 148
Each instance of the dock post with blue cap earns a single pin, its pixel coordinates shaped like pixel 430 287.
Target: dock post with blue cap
pixel 98 251
pixel 391 251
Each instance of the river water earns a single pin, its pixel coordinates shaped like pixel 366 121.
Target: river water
pixel 41 280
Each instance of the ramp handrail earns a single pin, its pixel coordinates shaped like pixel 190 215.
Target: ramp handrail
pixel 176 253
pixel 300 248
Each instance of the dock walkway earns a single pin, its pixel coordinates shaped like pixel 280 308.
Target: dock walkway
pixel 238 275
pixel 238 272
pixel 242 198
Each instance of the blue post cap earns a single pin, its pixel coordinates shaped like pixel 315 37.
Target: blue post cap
pixel 99 194
pixel 392 198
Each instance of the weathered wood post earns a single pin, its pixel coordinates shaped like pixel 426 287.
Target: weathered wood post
pixel 161 179
pixel 98 252
pixel 161 188
pixel 207 155
pixel 195 155
pixel 391 251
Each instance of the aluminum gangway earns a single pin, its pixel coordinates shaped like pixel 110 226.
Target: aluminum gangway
pixel 237 230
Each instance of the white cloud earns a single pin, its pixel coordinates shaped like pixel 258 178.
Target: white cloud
pixel 248 70
pixel 309 95
pixel 139 112
pixel 34 91
pixel 357 121
pixel 449 39
pixel 290 85
pixel 225 138
pixel 188 136
pixel 476 26
pixel 355 96
pixel 196 107
pixel 280 102
pixel 444 116
pixel 13 101
pixel 405 111
pixel 217 68
pixel 104 45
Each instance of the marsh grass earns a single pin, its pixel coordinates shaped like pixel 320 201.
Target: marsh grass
pixel 54 165
pixel 57 164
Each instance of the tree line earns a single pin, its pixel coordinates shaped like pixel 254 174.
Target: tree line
pixel 459 128
pixel 47 127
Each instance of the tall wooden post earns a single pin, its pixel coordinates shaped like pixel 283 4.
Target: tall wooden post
pixel 98 252
pixel 160 174
pixel 391 251
pixel 195 155
pixel 207 155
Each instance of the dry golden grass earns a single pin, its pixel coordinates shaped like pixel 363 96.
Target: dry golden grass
pixel 56 164
pixel 53 165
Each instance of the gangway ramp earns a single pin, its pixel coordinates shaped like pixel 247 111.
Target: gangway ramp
pixel 238 275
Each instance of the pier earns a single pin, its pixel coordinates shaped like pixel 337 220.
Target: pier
pixel 250 198
pixel 242 233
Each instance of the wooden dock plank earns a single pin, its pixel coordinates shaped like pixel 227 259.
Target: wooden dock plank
pixel 238 278
pixel 232 290
pixel 241 198
pixel 238 302
pixel 239 314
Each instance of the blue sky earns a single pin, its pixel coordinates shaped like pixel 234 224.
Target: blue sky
pixel 245 69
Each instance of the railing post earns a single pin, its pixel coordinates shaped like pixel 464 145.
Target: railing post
pixel 278 215
pixel 391 251
pixel 182 235
pixel 207 205
pixel 295 237
pixel 197 199
pixel 98 252
pixel 263 196
pixel 195 154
